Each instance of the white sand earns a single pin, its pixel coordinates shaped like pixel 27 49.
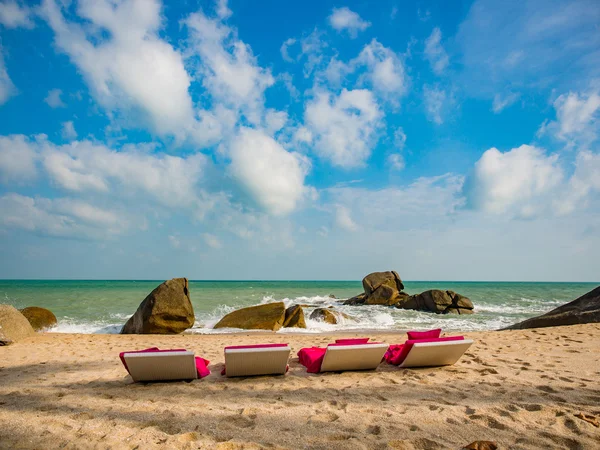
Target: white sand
pixel 521 389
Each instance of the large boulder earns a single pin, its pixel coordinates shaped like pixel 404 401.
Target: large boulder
pixel 356 300
pixel 39 318
pixel 437 301
pixel 324 315
pixel 269 316
pixel 294 317
pixel 13 325
pixel 376 279
pixel 167 310
pixel 585 309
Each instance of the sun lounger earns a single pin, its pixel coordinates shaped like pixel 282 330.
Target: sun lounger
pixel 153 364
pixel 249 360
pixel 340 357
pixel 428 352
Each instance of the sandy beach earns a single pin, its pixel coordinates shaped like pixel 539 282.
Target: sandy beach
pixel 521 389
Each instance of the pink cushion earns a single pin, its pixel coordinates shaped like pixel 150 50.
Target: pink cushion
pixel 312 358
pixel 354 341
pixel 201 363
pixel 396 354
pixel 236 347
pixel 418 335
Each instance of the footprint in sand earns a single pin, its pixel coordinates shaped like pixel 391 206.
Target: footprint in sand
pixel 325 417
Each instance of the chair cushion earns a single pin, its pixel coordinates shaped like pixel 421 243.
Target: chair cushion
pixel 239 347
pixel 312 358
pixel 201 363
pixel 418 335
pixel 354 341
pixel 396 354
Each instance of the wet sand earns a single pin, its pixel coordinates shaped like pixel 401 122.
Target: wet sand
pixel 521 389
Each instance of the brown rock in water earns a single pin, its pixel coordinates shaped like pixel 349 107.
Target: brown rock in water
pixel 372 281
pixel 294 317
pixel 39 318
pixel 324 315
pixel 166 310
pixel 383 295
pixel 13 325
pixel 481 445
pixel 357 300
pixel 439 302
pixel 269 316
pixel 585 309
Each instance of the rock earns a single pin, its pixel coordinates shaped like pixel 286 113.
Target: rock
pixel 481 445
pixel 324 315
pixel 13 325
pixel 356 300
pixel 585 309
pixel 166 310
pixel 269 316
pixel 332 296
pixel 437 301
pixel 39 318
pixel 372 281
pixel 294 317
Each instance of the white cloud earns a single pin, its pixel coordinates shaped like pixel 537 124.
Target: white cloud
pixel 520 181
pixel 7 88
pixel 174 241
pixel 396 161
pixel 312 47
pixel 275 120
pixel 68 130
pixel 435 53
pixel 273 176
pixel 132 70
pixel 344 126
pixel 14 16
pixel 17 159
pixel 343 19
pixel 504 101
pixel 399 138
pixel 227 67
pixel 343 218
pixel 59 217
pixel 53 99
pixel 212 241
pixel 435 100
pixel 223 11
pixel 576 117
pixel 584 181
pixel 284 49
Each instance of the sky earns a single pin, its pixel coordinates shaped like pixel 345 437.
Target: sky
pixel 312 140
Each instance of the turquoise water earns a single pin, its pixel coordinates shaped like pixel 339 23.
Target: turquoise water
pixel 104 306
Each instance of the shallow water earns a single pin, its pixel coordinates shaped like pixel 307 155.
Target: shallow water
pixel 104 306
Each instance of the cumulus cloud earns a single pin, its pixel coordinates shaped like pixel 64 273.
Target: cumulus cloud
pixel 53 99
pixel 227 66
pixel 504 101
pixel 435 53
pixel 576 117
pixel 344 19
pixel 7 88
pixel 584 182
pixel 343 219
pixel 131 68
pixel 17 159
pixel 63 217
pixel 68 130
pixel 223 11
pixel 273 176
pixel 518 182
pixel 344 127
pixel 12 15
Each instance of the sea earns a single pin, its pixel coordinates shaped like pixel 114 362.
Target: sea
pixel 95 306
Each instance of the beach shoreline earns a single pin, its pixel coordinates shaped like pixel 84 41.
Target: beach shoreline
pixel 520 388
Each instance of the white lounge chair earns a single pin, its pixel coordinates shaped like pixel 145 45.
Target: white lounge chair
pixel 339 358
pixel 161 366
pixel 250 360
pixel 431 354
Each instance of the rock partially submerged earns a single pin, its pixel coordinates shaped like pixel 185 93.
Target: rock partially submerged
pixel 294 317
pixel 437 301
pixel 166 310
pixel 585 309
pixel 39 318
pixel 13 325
pixel 324 315
pixel 270 316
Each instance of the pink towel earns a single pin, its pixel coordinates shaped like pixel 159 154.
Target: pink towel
pixel 312 358
pixel 201 363
pixel 396 354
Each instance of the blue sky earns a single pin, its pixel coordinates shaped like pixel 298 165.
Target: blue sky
pixel 300 140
